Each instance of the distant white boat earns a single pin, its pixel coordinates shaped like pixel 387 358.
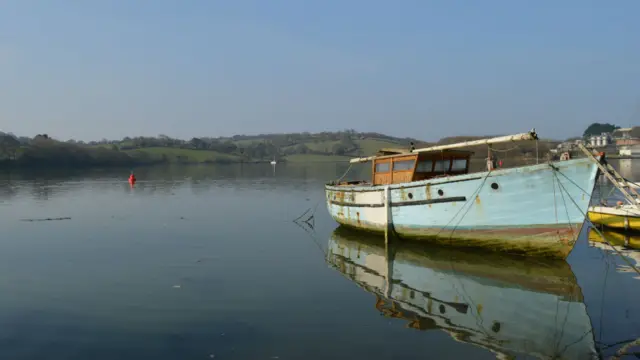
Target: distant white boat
pixel 273 162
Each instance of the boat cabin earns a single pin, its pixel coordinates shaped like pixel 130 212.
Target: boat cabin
pixel 395 167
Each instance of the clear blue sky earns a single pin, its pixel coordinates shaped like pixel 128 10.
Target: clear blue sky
pixel 427 69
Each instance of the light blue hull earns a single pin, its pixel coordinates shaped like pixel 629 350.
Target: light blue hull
pixel 529 209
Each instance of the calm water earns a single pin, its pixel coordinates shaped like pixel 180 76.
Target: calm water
pixel 206 262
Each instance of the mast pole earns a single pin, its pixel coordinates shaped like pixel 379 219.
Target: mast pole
pixel 531 135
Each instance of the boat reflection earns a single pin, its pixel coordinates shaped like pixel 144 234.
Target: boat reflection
pixel 511 306
pixel 626 244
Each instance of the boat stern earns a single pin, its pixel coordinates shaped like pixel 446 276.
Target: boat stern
pixel 358 206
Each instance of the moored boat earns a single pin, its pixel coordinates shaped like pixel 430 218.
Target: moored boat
pixel 622 217
pixel 625 215
pixel 429 195
pixel 511 306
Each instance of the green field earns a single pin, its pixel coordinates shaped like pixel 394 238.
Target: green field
pixel 322 152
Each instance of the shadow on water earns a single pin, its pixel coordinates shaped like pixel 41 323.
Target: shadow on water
pixel 511 306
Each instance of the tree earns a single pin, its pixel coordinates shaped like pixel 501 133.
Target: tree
pixel 197 143
pixel 338 149
pixel 301 149
pixel 8 146
pixel 597 129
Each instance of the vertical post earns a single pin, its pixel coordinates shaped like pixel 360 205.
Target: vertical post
pixel 388 257
pixel 537 156
pixel 387 210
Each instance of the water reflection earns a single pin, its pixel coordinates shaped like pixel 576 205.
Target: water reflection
pixel 46 184
pixel 624 244
pixel 625 168
pixel 508 305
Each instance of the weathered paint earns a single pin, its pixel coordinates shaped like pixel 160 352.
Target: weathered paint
pixel 509 305
pixel 512 210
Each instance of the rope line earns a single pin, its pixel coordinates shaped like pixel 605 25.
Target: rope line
pixel 571 181
pixel 596 229
pixel 345 174
pixel 471 199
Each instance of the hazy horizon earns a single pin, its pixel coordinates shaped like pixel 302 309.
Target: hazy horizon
pixel 88 71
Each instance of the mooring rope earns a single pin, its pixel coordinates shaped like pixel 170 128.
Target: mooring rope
pixel 471 199
pixel 343 175
pixel 593 225
pixel 623 350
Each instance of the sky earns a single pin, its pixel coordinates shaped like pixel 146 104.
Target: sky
pixel 89 70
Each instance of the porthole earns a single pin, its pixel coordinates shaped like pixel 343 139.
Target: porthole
pixel 440 192
pixel 495 186
pixel 441 307
pixel 410 195
pixel 495 327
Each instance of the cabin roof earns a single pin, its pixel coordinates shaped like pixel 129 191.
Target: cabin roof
pixel 391 153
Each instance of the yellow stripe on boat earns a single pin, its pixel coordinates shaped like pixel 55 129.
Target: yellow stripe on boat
pixel 620 217
pixel 615 238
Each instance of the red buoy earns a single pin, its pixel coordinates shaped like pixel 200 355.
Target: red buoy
pixel 132 179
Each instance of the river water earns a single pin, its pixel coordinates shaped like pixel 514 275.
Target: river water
pixel 206 262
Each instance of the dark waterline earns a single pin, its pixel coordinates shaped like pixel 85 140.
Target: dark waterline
pixel 203 261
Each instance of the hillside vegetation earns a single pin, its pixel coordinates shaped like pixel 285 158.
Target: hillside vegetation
pixel 320 147
pixel 294 147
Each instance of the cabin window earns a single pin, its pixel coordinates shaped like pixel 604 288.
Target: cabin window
pixel 382 167
pixel 424 166
pixel 403 165
pixel 442 165
pixel 459 165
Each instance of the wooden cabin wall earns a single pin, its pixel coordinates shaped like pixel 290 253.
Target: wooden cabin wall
pixel 394 170
pixel 403 168
pixel 381 177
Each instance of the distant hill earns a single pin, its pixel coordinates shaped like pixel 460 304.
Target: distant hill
pixel 296 147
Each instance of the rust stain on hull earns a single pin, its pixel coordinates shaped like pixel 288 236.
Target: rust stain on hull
pixel 544 241
pixel 427 190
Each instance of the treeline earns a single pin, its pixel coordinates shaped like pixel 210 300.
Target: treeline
pixel 42 151
pixel 263 146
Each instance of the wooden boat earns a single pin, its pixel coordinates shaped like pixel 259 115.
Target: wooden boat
pixel 511 306
pixel 428 194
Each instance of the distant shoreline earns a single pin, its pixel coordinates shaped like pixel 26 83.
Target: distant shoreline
pixel 299 148
pixel 624 157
